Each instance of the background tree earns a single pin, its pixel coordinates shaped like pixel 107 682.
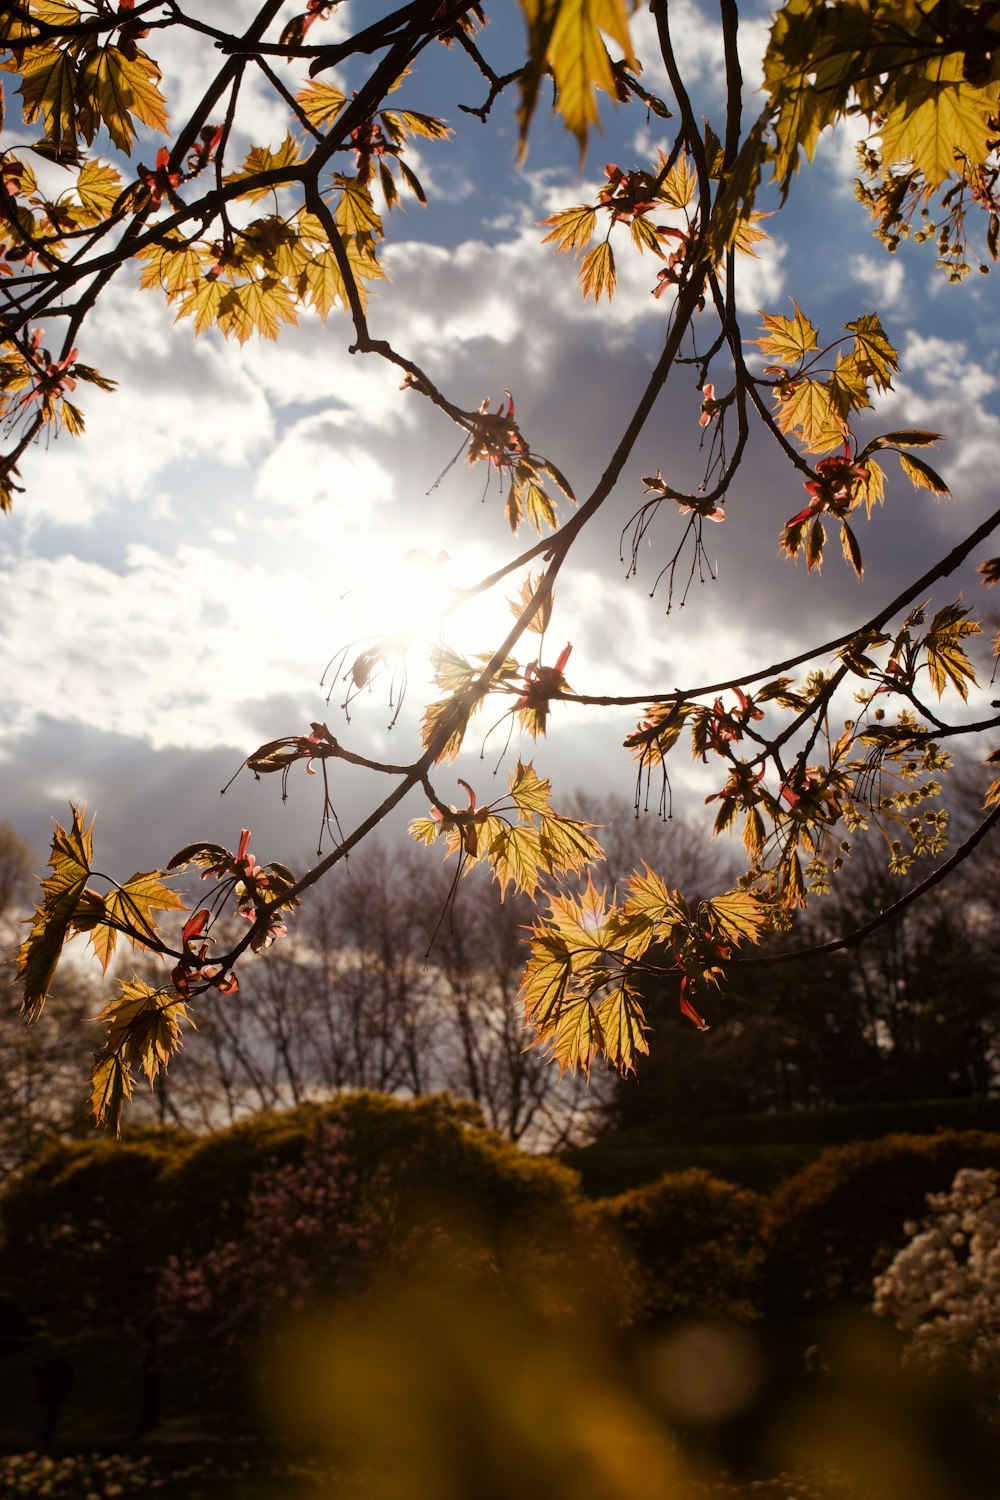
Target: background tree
pixel 248 245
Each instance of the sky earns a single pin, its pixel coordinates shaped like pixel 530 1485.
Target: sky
pixel 175 582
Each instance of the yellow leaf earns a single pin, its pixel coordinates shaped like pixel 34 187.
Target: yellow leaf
pixel 921 475
pixel 202 301
pixel 173 265
pixel 809 406
pixel 355 211
pixel 324 285
pixel 321 103
pixel 572 229
pixel 38 955
pixel 256 307
pixel 623 1028
pixel 529 792
pixel 787 340
pixel 121 89
pixel 111 1088
pixel 515 855
pixel 938 119
pixel 597 272
pixel 131 907
pixel 262 159
pixel 48 87
pixel 738 915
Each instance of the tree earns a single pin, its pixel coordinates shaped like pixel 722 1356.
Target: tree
pixel 383 987
pixel 299 224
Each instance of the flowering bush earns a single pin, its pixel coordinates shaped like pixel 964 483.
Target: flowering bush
pixel 304 1237
pixel 91 1476
pixel 943 1288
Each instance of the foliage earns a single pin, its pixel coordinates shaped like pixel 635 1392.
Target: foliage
pixel 943 1288
pixel 80 1255
pixel 696 1244
pixel 401 1172
pixel 303 1240
pixel 248 244
pixel 836 1224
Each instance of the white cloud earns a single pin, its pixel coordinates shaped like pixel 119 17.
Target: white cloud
pixel 172 649
pixel 885 276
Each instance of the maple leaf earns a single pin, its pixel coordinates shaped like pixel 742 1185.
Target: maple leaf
pixel 110 1090
pixel 572 229
pixel 130 908
pixel 872 346
pixel 787 340
pixel 921 475
pixel 565 36
pixel 173 265
pixel 448 718
pixel 38 956
pixel 515 856
pixel 259 306
pixel 98 187
pixel 738 915
pixel 401 123
pixel 529 792
pixel 622 1028
pixel 48 88
pixel 539 621
pixel 936 119
pixel 597 272
pixel 809 406
pixel 119 88
pixel 946 660
pixel 261 159
pixel 144 1026
pixel 324 284
pixel 321 103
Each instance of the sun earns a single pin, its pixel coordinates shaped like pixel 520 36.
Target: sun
pixel 414 606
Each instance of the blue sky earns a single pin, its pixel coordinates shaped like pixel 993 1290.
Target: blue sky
pixel 175 581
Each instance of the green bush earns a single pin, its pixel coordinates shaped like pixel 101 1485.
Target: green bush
pixel 83 1232
pixel 416 1164
pixel 833 1226
pixel 694 1246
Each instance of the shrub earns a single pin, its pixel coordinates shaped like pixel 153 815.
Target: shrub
pixel 835 1225
pixel 84 1233
pixel 694 1244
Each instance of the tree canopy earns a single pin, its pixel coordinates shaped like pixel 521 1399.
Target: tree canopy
pixel 805 752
